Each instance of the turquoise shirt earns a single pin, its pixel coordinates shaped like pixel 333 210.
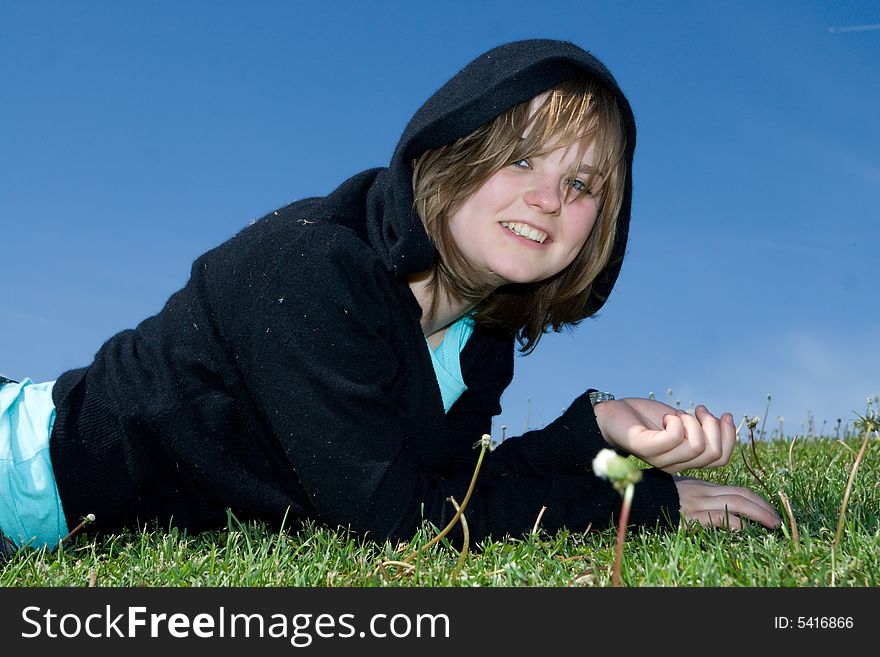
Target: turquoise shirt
pixel 446 359
pixel 30 508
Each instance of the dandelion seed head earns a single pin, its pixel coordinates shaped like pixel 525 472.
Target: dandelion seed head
pixel 620 471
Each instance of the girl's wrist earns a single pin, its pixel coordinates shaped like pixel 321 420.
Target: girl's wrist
pixel 600 409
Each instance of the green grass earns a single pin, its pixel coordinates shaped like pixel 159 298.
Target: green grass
pixel 253 555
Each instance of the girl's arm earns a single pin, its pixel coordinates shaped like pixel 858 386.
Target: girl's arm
pixel 314 334
pixel 554 463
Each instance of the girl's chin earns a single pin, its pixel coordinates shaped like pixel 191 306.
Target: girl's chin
pixel 516 278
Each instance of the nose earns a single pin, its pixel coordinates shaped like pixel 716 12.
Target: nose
pixel 544 196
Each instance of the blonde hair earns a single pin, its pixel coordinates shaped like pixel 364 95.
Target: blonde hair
pixel 579 111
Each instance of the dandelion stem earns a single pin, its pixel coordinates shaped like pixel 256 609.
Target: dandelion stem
pixel 849 484
pixel 87 520
pixel 764 421
pixel 464 545
pixel 755 451
pixel 538 519
pixel 621 533
pixel 753 473
pixel 484 443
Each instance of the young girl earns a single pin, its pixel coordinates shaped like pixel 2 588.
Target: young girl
pixel 338 359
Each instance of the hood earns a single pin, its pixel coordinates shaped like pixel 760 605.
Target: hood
pixel 490 85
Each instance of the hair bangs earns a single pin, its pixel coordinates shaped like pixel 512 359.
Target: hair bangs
pixel 575 113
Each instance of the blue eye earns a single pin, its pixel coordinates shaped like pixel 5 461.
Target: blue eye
pixel 521 164
pixel 578 186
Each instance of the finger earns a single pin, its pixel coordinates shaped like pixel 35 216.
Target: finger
pixel 743 503
pixel 652 444
pixel 718 490
pixel 720 441
pixel 666 447
pixel 728 440
pixel 695 437
pixel 715 519
pixel 712 429
pixel 690 452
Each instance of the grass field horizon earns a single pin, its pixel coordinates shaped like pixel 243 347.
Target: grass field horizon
pixel 812 548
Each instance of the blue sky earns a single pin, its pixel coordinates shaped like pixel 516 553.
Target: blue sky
pixel 134 136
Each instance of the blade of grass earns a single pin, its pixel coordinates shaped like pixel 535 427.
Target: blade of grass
pixel 795 537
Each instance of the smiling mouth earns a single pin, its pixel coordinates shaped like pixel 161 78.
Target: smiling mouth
pixel 524 230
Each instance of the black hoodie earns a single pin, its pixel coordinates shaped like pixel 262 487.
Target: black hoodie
pixel 290 376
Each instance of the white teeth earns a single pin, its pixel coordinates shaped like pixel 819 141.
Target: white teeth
pixel 525 231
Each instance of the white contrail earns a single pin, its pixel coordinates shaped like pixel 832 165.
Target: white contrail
pixel 855 28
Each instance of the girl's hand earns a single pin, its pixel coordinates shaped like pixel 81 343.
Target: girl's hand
pixel 722 506
pixel 669 439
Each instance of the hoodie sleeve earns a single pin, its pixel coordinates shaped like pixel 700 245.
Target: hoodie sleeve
pixel 552 467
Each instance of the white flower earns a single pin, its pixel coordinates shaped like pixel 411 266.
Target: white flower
pixel 620 471
pixel 601 462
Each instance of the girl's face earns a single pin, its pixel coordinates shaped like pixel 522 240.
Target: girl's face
pixel 523 225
